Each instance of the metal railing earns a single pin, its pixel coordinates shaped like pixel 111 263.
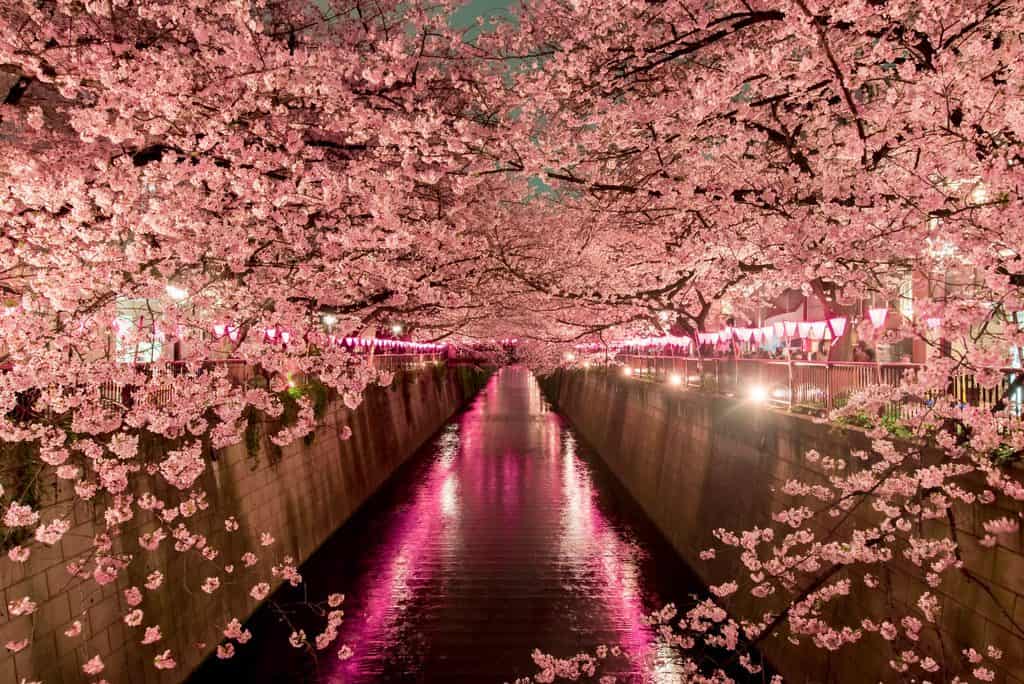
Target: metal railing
pixel 818 386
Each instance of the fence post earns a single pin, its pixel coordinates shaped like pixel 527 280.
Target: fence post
pixel 789 383
pixel 828 388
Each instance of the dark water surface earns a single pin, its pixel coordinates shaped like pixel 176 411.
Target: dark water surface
pixel 503 534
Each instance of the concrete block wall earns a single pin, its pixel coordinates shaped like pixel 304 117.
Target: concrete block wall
pixel 300 497
pixel 697 462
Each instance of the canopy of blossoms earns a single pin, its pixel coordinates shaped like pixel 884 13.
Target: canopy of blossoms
pixel 259 180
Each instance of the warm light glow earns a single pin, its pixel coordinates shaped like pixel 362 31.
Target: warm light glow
pixel 329 319
pixel 176 293
pixel 758 393
pixel 569 356
pixel 586 364
pixel 675 379
pixel 627 371
pixel 878 316
pixel 396 329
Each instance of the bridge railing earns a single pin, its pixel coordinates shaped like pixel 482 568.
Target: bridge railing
pixel 817 386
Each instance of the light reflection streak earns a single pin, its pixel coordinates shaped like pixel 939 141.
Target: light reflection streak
pixel 509 509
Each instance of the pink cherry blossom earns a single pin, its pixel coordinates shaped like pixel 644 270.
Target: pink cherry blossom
pixel 164 661
pixel 260 591
pixel 93 666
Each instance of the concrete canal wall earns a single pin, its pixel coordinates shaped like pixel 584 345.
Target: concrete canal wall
pixel 299 494
pixel 697 462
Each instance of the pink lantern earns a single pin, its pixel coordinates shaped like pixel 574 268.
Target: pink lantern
pixel 838 326
pixel 725 334
pixel 791 328
pixel 803 329
pixel 744 334
pixel 878 316
pixel 818 330
pixel 233 333
pixel 271 334
pixel 218 329
pixel 767 332
pixel 779 329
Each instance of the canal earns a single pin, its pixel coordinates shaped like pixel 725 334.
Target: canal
pixel 503 534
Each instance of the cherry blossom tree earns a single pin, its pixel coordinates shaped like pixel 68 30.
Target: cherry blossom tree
pixel 186 183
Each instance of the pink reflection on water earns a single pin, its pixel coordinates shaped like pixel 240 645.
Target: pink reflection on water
pixel 502 547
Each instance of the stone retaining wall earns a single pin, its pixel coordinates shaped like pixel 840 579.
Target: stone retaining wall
pixel 697 462
pixel 300 496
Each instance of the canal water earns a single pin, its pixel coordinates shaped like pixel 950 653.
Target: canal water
pixel 505 533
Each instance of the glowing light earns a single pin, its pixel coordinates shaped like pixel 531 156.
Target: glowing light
pixel 627 371
pixel 838 325
pixel 818 330
pixel 878 316
pixel 758 393
pixel 396 329
pixel 569 356
pixel 329 319
pixel 586 364
pixel 675 379
pixel 176 293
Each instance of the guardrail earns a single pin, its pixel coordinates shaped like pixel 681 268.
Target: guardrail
pixel 816 386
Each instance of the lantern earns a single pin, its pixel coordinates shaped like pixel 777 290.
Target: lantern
pixel 838 326
pixel 878 316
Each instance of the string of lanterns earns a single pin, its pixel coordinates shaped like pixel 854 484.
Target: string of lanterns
pixel 831 328
pixel 277 335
